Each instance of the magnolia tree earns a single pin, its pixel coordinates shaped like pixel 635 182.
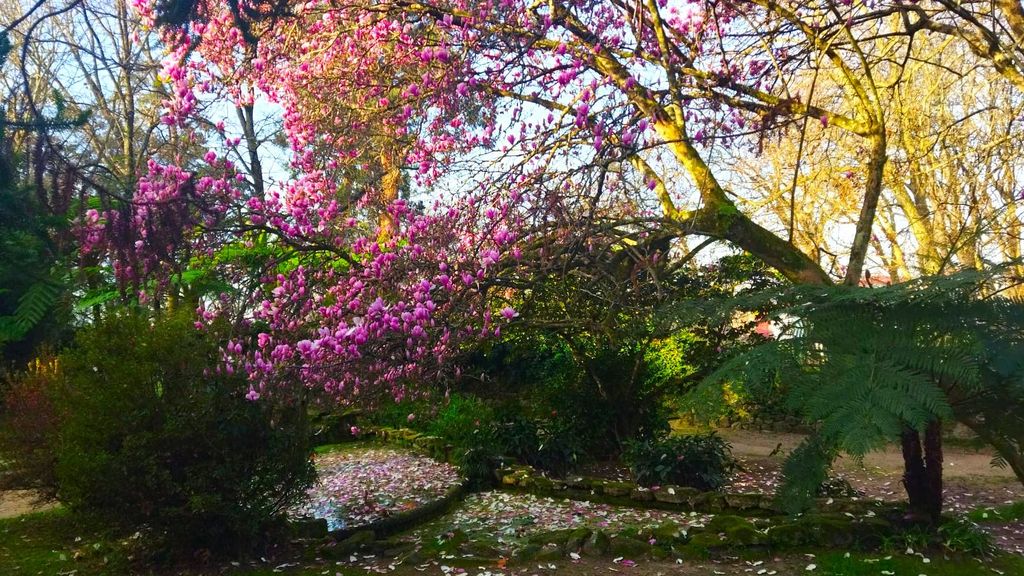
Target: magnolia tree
pixel 555 132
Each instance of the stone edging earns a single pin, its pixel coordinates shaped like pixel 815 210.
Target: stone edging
pixel 406 519
pixel 668 497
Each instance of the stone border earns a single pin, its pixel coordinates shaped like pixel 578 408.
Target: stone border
pixel 669 497
pixel 406 519
pixel 722 535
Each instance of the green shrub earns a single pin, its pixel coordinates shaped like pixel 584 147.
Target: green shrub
pixel 466 423
pixel 702 461
pixel 156 436
pixel 460 418
pixel 561 447
pixel 517 435
pixel 396 414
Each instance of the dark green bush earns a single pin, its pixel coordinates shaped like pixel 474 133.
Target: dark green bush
pixel 156 436
pixel 561 447
pixel 702 461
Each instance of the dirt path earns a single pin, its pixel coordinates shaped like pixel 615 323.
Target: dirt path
pixel 17 502
pixel 959 462
pixel 970 478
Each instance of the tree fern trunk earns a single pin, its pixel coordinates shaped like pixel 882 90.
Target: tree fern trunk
pixel 922 471
pixel 933 468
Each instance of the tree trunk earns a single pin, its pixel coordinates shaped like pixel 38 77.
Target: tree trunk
pixel 866 221
pixel 922 472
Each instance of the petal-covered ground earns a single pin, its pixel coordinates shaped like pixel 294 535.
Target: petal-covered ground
pixel 364 484
pixel 509 517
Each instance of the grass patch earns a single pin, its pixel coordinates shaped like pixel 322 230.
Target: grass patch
pixel 1004 513
pixel 853 564
pixel 54 542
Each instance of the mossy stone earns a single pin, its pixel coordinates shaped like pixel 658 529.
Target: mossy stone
pixel 628 547
pixel 726 522
pixel 789 535
pixel 559 537
pixel 706 541
pixel 640 494
pixel 577 539
pixel 355 542
pixel 667 533
pixel 632 532
pixel 542 484
pixel 829 529
pixel 597 544
pixel 744 536
pixel 675 494
pixel 743 501
pixel 480 549
pixel 871 532
pixel 579 482
pixel 549 552
pixel 617 488
pixel 691 552
pixel 708 501
pixel 400 549
pixel 304 528
pixel 527 552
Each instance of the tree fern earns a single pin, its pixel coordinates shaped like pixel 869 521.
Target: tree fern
pixel 864 364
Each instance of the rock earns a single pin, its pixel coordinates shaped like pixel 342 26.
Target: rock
pixel 579 482
pixel 659 553
pixel 559 537
pixel 549 552
pixel 829 529
pixel 705 542
pixel 675 494
pixel 514 475
pixel 628 548
pixel 769 503
pixel 744 501
pixel 725 522
pixel 401 549
pixel 708 501
pixel 617 488
pixel 577 539
pixel 354 542
pixel 641 494
pixel 788 535
pixel 307 528
pixel 597 544
pixel 480 550
pixel 871 532
pixel 736 531
pixel 667 533
pixel 527 552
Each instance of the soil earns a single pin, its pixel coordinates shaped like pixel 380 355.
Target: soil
pixel 17 502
